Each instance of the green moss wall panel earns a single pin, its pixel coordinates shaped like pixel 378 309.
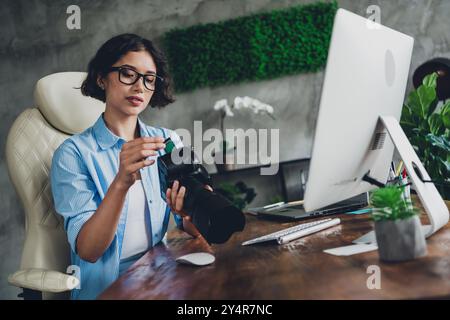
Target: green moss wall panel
pixel 256 47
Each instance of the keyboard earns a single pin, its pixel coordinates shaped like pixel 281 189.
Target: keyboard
pixel 295 232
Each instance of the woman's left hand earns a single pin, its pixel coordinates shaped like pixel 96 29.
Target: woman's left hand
pixel 175 200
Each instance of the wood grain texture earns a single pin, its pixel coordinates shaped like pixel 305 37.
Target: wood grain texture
pixel 297 270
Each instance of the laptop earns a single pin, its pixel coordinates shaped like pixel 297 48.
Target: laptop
pixel 298 212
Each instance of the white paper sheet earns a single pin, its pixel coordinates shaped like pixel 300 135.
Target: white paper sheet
pixel 351 249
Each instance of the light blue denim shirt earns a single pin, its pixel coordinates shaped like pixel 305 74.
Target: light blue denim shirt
pixel 83 168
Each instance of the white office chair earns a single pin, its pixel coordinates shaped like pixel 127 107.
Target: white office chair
pixel 60 110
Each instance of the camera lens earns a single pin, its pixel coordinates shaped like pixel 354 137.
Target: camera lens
pixel 214 215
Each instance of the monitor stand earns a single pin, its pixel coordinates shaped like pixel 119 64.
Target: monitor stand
pixel 432 201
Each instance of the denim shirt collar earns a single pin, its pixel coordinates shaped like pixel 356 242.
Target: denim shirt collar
pixel 106 139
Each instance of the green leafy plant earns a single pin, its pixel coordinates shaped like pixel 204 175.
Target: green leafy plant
pixel 239 194
pixel 276 198
pixel 255 47
pixel 428 129
pixel 389 204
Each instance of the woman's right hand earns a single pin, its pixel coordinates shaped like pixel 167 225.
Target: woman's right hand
pixel 133 157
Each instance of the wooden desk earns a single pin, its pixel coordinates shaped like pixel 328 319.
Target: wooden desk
pixel 297 270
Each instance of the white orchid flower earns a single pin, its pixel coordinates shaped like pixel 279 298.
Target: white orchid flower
pixel 258 105
pixel 221 104
pixel 247 102
pixel 263 106
pixel 269 108
pixel 228 111
pixel 238 103
pixel 243 102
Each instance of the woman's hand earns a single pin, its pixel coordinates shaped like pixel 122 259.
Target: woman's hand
pixel 133 157
pixel 175 200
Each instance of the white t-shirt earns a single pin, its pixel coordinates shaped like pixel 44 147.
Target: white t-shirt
pixel 136 238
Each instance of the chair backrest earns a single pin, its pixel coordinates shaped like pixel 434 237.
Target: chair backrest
pixel 60 111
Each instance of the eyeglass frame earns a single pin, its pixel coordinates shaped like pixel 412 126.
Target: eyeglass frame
pixel 140 75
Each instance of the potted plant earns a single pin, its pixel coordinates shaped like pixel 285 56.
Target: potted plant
pixel 239 194
pixel 397 225
pixel 427 125
pixel 226 155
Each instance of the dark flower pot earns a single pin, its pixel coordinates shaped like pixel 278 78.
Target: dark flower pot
pixel 400 240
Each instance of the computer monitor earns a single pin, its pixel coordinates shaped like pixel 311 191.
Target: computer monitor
pixel 360 107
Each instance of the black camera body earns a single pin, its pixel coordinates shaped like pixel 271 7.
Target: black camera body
pixel 215 216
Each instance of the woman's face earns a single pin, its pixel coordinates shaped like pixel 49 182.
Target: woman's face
pixel 129 99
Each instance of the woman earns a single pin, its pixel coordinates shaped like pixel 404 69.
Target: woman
pixel 105 182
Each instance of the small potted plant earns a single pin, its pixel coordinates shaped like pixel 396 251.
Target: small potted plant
pixel 397 225
pixel 239 194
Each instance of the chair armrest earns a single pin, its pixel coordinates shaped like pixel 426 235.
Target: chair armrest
pixel 43 280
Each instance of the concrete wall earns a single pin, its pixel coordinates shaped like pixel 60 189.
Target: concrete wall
pixel 35 42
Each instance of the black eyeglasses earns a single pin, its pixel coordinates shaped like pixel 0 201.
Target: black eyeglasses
pixel 130 76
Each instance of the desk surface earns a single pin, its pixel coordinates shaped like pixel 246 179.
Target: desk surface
pixel 297 270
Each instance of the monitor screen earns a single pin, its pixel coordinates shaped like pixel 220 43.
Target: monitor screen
pixel 365 78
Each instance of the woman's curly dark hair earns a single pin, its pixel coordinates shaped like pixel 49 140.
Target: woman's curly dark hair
pixel 115 48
